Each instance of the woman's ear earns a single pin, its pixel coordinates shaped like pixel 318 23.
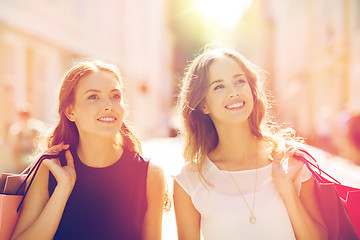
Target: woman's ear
pixel 204 108
pixel 70 114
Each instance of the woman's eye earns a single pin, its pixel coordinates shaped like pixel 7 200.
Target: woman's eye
pixel 240 81
pixel 117 96
pixel 93 97
pixel 219 87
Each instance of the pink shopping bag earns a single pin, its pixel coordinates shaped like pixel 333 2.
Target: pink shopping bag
pixel 8 214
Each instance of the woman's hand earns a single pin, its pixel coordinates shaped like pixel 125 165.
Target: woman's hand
pixel 303 210
pixel 284 170
pixel 64 175
pixel 41 214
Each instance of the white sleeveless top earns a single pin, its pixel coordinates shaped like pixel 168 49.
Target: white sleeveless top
pixel 224 213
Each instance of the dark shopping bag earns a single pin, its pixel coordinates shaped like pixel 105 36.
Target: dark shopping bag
pixel 339 204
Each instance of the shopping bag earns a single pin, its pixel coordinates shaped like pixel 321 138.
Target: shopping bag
pixel 339 204
pixel 8 214
pixel 12 195
pixel 10 198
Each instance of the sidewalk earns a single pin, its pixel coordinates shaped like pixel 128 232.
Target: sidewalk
pixel 167 153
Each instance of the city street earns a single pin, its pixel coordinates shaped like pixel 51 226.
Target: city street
pixel 167 153
pixel 300 58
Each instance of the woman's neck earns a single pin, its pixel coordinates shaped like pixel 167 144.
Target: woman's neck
pixel 98 152
pixel 238 149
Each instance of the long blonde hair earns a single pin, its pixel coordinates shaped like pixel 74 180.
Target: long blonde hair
pixel 198 129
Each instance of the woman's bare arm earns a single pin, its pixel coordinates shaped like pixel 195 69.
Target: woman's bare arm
pixel 187 217
pixel 40 215
pixel 152 226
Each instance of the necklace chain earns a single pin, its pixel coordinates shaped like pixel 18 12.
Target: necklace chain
pixel 252 218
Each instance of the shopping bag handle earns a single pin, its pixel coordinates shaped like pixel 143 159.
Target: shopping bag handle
pixel 34 168
pixel 311 166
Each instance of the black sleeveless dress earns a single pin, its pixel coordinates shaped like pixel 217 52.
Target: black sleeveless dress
pixel 106 203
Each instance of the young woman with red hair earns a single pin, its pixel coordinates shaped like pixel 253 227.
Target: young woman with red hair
pixel 100 187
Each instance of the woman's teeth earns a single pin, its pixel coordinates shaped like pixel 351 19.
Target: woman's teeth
pixel 235 105
pixel 107 119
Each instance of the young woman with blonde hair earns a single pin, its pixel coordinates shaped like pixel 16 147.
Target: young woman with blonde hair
pixel 240 180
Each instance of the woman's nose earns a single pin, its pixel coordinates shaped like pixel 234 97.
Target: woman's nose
pixel 109 106
pixel 233 92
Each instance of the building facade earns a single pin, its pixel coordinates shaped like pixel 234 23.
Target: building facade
pixel 316 66
pixel 41 39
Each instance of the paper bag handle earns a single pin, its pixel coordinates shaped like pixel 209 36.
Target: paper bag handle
pixel 34 168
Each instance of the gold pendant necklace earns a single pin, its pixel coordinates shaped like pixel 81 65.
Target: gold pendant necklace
pixel 252 218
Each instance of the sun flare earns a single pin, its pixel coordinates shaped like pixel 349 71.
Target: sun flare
pixel 226 13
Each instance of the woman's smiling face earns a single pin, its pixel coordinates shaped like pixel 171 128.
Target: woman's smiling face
pixel 229 97
pixel 98 108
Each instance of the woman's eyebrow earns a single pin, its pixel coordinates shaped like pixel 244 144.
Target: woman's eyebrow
pixel 216 81
pixel 238 75
pixel 96 90
pixel 92 90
